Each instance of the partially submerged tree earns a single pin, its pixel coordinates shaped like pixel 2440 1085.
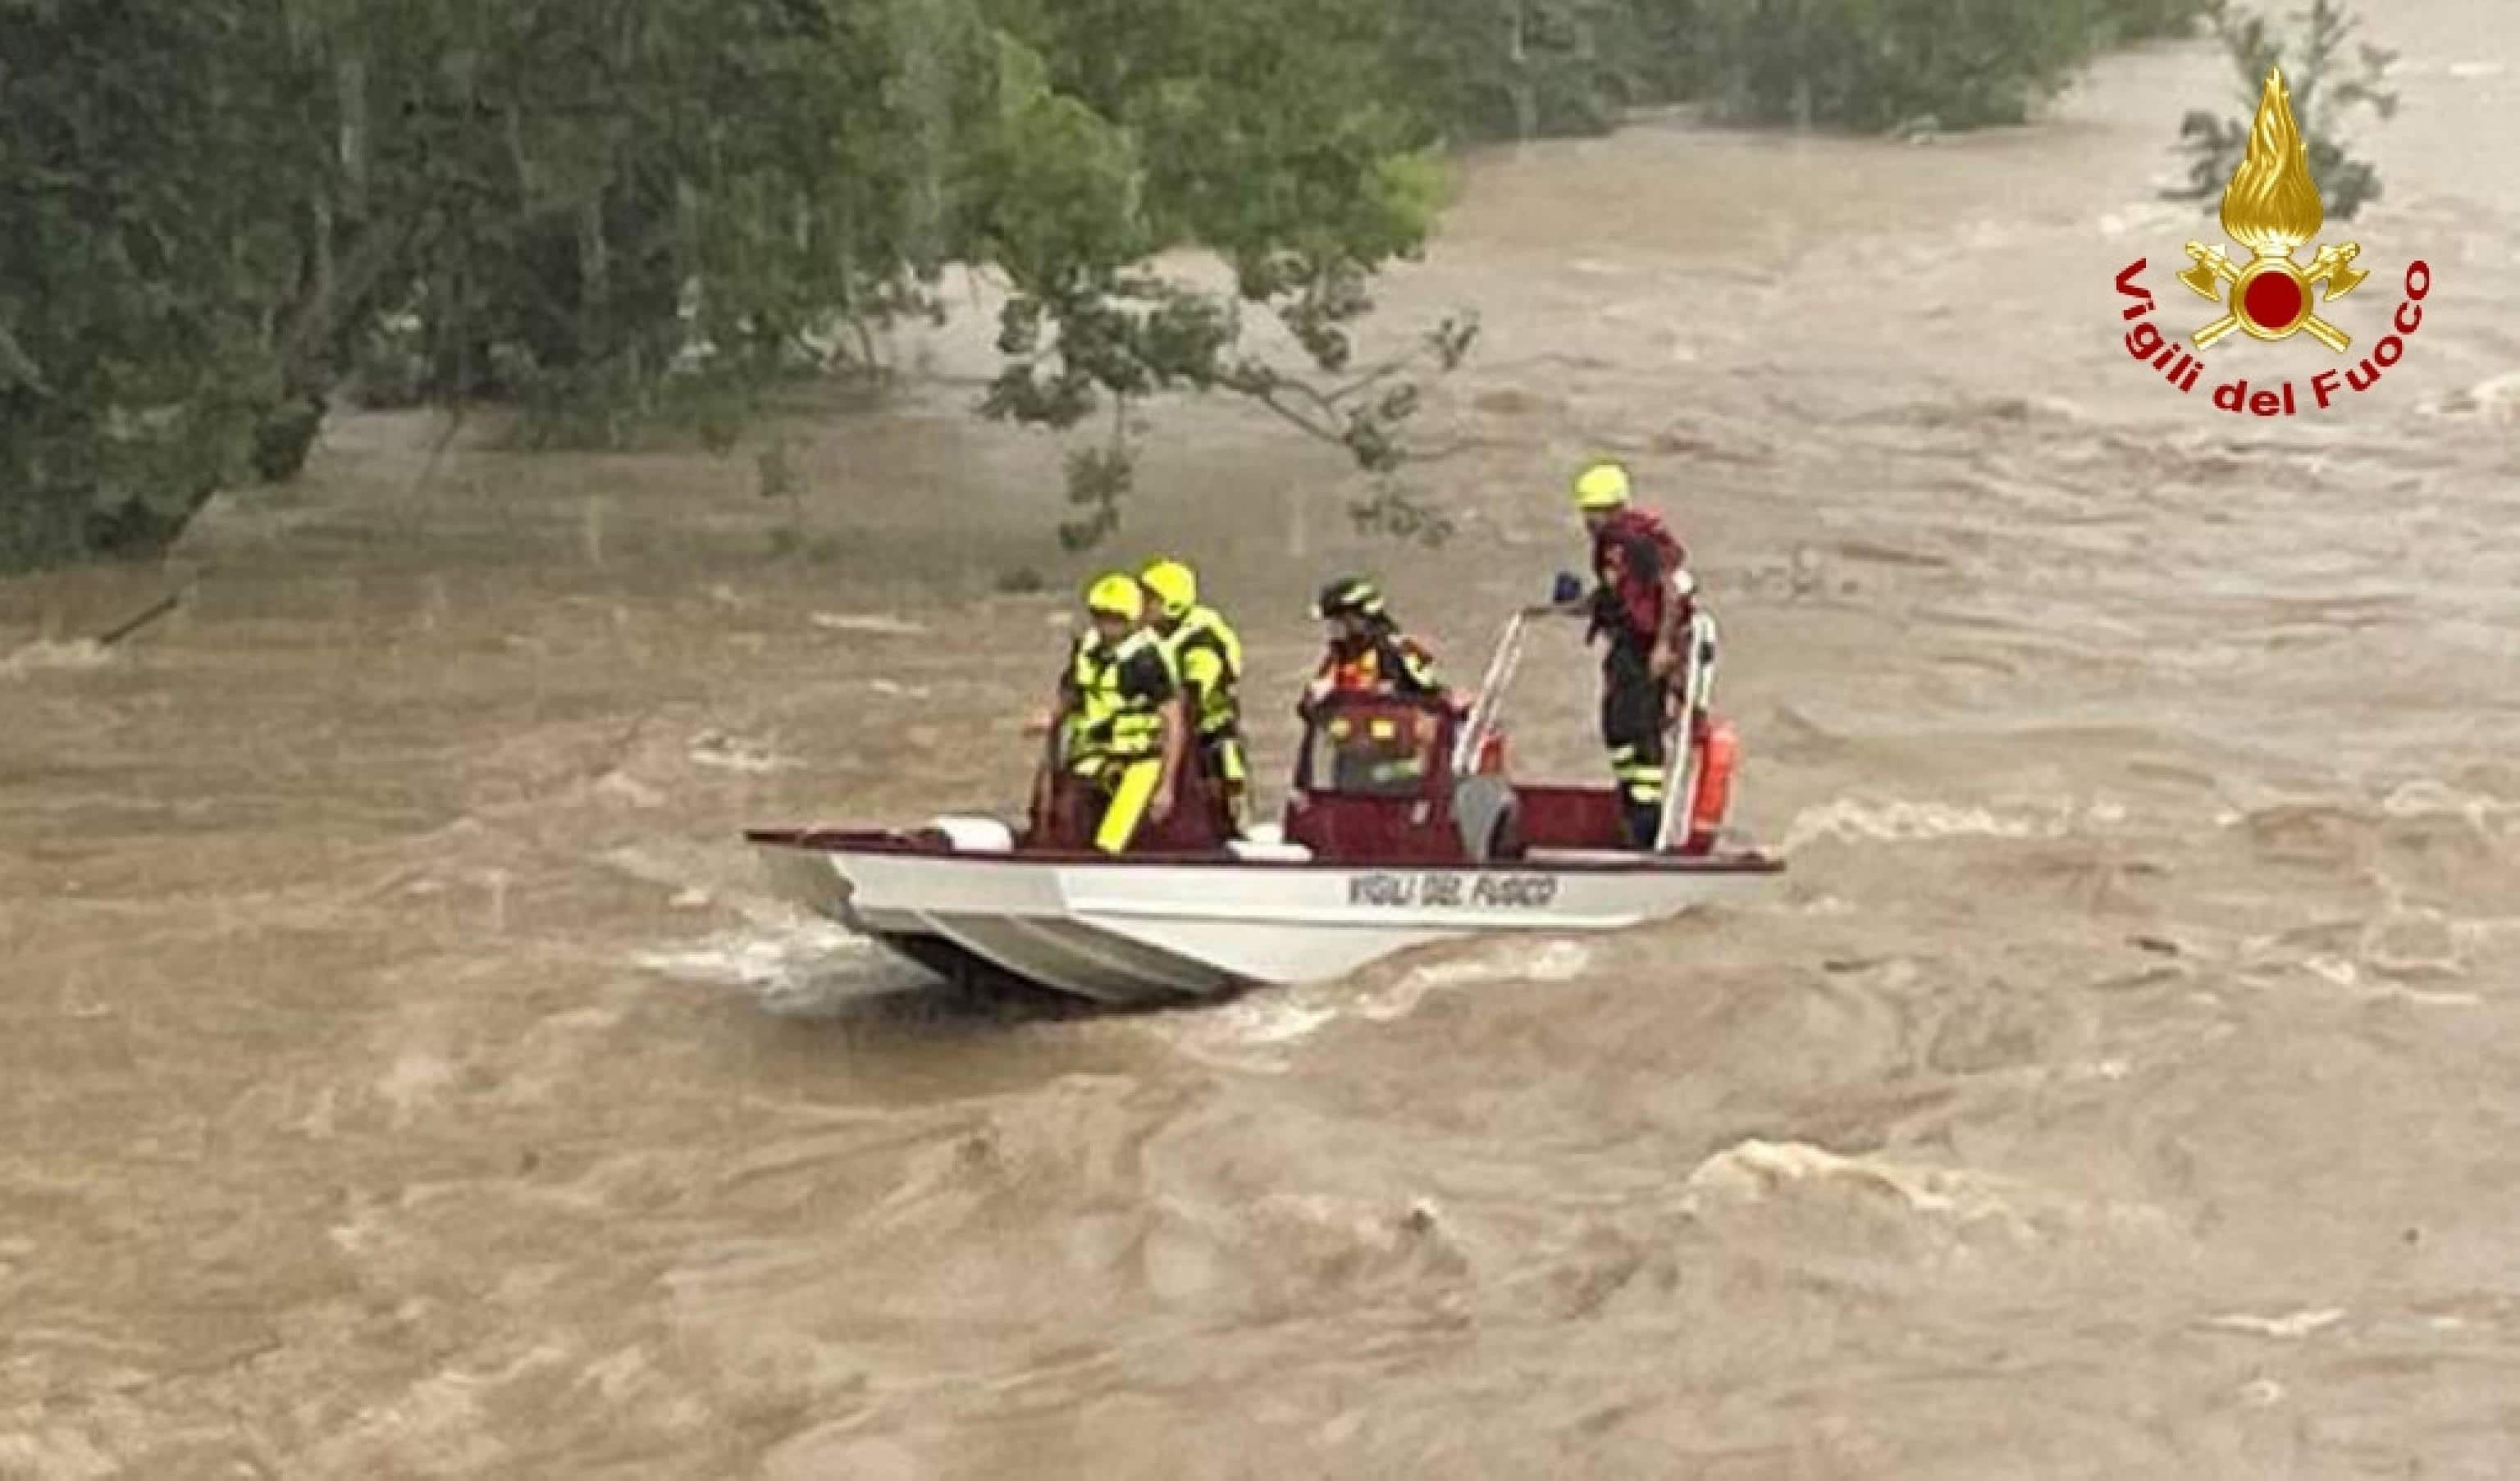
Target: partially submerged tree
pixel 2121 21
pixel 140 273
pixel 218 208
pixel 1184 124
pixel 1876 64
pixel 217 212
pixel 2324 86
pixel 1531 68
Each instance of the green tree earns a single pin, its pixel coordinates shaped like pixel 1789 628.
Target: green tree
pixel 215 210
pixel 1263 133
pixel 1876 64
pixel 2323 87
pixel 2120 20
pixel 1525 69
pixel 610 192
pixel 144 259
pixel 219 209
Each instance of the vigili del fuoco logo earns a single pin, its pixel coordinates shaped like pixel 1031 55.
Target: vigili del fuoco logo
pixel 2271 206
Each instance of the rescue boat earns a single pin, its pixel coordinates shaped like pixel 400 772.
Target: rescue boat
pixel 1402 830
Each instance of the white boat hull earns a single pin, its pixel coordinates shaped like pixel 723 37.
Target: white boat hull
pixel 1131 931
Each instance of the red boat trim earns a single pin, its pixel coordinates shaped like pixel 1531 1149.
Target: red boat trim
pixel 838 841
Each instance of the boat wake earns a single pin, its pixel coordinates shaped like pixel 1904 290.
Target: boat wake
pixel 793 965
pixel 1254 1033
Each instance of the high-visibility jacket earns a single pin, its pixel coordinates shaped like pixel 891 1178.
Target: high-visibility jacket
pixel 1207 656
pixel 1116 696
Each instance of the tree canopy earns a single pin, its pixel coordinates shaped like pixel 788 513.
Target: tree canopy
pixel 216 215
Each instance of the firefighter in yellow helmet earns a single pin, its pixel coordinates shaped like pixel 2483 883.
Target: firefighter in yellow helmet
pixel 1208 656
pixel 1121 723
pixel 1640 604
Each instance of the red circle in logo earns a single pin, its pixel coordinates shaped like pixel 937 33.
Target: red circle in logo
pixel 2272 301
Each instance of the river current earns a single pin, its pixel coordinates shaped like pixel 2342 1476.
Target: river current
pixel 405 1072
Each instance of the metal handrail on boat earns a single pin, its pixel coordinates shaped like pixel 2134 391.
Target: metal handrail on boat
pixel 1502 664
pixel 1697 688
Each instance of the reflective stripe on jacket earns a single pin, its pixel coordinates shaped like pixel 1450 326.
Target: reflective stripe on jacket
pixel 1117 695
pixel 1208 657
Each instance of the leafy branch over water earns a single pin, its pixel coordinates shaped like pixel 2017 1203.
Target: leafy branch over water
pixel 2324 85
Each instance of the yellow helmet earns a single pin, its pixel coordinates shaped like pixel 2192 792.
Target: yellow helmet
pixel 1602 485
pixel 1175 585
pixel 1117 596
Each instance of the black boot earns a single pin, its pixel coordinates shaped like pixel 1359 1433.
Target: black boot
pixel 1643 819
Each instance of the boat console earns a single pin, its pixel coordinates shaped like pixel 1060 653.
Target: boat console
pixel 1375 781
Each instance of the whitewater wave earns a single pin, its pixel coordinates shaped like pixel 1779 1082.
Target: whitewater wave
pixel 795 966
pixel 1795 1199
pixel 46 656
pixel 1252 1033
pixel 1853 819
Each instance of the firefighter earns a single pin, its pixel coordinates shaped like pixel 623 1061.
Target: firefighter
pixel 1120 726
pixel 1367 652
pixel 1640 603
pixel 1207 654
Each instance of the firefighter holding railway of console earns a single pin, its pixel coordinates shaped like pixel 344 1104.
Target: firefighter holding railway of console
pixel 1640 601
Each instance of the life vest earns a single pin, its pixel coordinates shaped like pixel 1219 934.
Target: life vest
pixel 1389 664
pixel 1116 693
pixel 1208 656
pixel 1640 565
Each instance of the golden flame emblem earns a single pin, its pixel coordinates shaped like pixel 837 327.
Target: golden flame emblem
pixel 2271 206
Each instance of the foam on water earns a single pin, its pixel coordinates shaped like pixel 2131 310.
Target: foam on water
pixel 1250 1032
pixel 796 964
pixel 1869 1218
pixel 1856 820
pixel 2290 1328
pixel 1755 1173
pixel 44 654
pixel 735 753
pixel 876 624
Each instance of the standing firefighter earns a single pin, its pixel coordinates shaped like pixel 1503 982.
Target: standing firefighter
pixel 1121 723
pixel 1208 656
pixel 1640 601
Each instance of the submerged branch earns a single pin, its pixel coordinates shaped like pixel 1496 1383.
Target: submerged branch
pixel 151 613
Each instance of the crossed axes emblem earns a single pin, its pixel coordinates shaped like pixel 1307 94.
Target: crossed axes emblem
pixel 2333 268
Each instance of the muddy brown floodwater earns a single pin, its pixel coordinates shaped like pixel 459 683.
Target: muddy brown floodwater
pixel 405 1073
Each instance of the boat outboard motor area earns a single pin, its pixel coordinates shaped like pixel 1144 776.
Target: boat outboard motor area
pixel 1484 809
